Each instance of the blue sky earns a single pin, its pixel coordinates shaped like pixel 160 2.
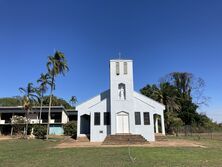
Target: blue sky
pixel 160 36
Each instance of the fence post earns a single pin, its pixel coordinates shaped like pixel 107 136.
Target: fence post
pixel 191 131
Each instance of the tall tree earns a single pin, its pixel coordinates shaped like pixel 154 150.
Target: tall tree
pixel 183 82
pixel 182 94
pixel 29 98
pixel 191 96
pixel 73 101
pixel 44 80
pixel 189 86
pixel 56 65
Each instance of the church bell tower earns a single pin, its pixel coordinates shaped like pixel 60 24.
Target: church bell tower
pixel 121 91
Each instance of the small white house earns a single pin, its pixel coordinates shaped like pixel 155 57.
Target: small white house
pixel 120 110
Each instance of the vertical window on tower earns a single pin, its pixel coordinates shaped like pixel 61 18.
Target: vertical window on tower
pixel 125 67
pixel 146 117
pixel 96 118
pixel 106 118
pixel 117 68
pixel 137 118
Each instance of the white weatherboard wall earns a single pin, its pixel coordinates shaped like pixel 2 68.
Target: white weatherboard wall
pixel 147 131
pixel 147 104
pixel 100 103
pixel 99 132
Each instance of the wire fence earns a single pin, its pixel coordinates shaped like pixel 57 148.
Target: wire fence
pixel 199 132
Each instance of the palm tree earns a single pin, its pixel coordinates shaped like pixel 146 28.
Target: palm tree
pixel 44 80
pixel 56 65
pixel 73 101
pixel 29 98
pixel 182 81
pixel 164 93
pixel 169 97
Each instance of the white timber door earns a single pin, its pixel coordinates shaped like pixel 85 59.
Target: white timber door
pixel 122 122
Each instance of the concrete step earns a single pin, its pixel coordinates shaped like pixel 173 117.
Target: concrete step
pixel 124 139
pixel 160 137
pixel 83 139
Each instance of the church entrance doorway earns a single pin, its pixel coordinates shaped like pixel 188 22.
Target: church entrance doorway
pixel 85 125
pixel 122 122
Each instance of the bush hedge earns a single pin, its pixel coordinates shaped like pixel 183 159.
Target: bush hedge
pixel 39 131
pixel 70 129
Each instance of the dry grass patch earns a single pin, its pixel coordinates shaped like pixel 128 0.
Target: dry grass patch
pixel 71 143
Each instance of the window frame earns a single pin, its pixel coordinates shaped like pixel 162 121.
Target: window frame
pixel 136 121
pixel 146 121
pixel 97 122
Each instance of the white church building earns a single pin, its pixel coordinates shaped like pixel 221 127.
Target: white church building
pixel 120 110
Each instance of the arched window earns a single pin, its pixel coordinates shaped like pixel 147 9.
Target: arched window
pixel 122 91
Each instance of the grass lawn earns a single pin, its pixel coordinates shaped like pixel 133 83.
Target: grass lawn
pixel 40 153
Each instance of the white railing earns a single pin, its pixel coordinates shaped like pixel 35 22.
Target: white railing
pixel 32 121
pixel 35 121
pixel 2 121
pixel 52 121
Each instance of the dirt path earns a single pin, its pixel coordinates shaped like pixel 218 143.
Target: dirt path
pixel 5 138
pixel 169 143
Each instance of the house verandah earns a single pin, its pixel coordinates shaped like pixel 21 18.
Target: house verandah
pixel 159 126
pixel 59 116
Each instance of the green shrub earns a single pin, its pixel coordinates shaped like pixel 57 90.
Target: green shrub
pixel 19 124
pixel 39 131
pixel 70 129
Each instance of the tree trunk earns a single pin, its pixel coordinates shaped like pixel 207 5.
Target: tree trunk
pixel 26 126
pixel 11 130
pixel 26 130
pixel 40 113
pixel 177 132
pixel 49 113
